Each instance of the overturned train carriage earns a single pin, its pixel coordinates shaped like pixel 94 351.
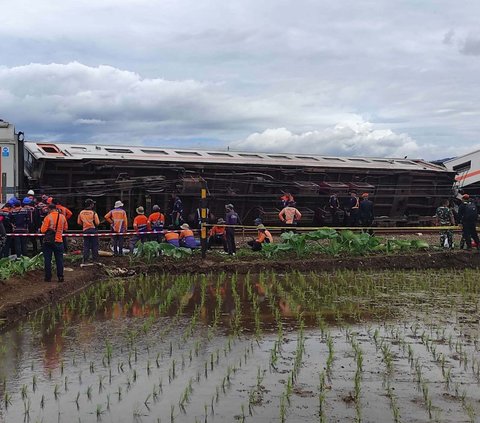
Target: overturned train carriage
pixel 404 191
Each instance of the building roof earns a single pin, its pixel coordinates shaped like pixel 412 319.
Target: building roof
pixel 64 151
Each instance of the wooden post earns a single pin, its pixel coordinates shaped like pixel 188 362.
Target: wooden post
pixel 203 230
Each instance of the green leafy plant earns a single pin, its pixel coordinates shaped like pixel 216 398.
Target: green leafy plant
pixel 150 250
pixel 20 266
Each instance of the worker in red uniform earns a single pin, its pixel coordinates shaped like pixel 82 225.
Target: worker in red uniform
pixel 172 238
pixel 119 222
pixel 88 219
pixel 257 243
pixel 187 239
pixel 56 224
pixel 140 225
pixel 289 216
pixel 286 199
pixel 157 223
pixel 216 235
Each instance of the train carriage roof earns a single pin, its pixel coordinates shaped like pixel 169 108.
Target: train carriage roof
pixel 64 151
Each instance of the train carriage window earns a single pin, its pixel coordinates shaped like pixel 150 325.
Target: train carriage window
pixel 307 158
pixel 216 154
pixel 334 159
pixel 463 167
pixel 255 156
pixel 118 150
pixel 164 153
pixel 51 149
pixel 278 156
pixel 188 153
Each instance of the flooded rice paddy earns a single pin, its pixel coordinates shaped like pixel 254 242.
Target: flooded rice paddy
pixel 372 347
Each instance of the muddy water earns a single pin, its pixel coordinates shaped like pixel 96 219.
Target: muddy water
pixel 373 347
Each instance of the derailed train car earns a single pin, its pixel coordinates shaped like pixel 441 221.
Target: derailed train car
pixel 404 191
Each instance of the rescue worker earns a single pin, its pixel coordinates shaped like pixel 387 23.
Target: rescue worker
pixel 334 207
pixel 289 216
pixel 286 199
pixel 467 216
pixel 177 212
pixel 5 213
pixel 56 224
pixel 232 219
pixel 172 238
pixel 187 239
pixel 140 225
pixel 41 212
pixel 89 221
pixel 21 222
pixel 117 218
pixel 198 220
pixel 352 209
pixel 365 211
pixel 66 212
pixel 3 235
pixel 257 243
pixel 157 222
pixel 444 217
pixel 29 206
pixel 217 235
pixel 31 195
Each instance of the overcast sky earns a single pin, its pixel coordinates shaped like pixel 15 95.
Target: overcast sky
pixel 385 78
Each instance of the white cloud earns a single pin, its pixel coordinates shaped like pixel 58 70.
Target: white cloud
pixel 348 139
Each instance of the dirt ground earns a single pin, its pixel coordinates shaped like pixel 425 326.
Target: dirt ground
pixel 22 295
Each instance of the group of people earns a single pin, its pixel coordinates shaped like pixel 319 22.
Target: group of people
pixel 466 216
pixel 356 211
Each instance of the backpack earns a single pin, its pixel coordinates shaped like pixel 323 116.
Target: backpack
pixel 470 213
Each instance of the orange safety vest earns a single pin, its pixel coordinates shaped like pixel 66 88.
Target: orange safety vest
pixel 88 219
pixel 217 230
pixel 186 232
pixel 50 222
pixel 140 223
pixel 118 219
pixel 171 235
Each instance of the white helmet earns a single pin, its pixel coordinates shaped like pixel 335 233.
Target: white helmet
pixel 31 192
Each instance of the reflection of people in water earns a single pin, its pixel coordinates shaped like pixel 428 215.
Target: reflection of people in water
pixel 286 310
pixel 54 343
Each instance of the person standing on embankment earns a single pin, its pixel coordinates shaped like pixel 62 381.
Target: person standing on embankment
pixel 53 227
pixel 468 216
pixel 231 219
pixel 119 223
pixel 89 220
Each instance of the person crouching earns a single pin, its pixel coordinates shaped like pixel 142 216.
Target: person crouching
pixel 217 235
pixel 187 238
pixel 257 243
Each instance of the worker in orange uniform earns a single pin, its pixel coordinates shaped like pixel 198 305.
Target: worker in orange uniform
pixel 157 223
pixel 119 223
pixel 216 235
pixel 187 239
pixel 290 215
pixel 140 225
pixel 66 212
pixel 53 227
pixel 89 221
pixel 172 238
pixel 257 243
